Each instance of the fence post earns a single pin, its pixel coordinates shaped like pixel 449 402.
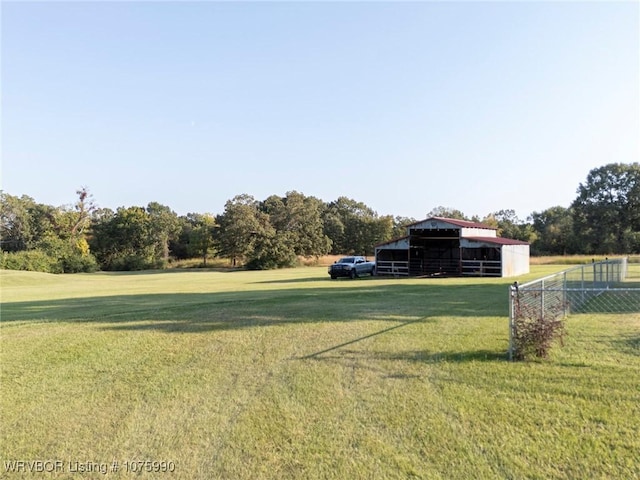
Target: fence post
pixel 542 295
pixel 565 301
pixel 513 291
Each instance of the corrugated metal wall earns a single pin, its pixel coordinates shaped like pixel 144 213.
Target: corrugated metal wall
pixel 515 260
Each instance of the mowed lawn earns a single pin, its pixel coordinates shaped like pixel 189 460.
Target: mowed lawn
pixel 287 374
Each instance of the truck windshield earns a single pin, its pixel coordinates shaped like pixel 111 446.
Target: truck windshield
pixel 347 260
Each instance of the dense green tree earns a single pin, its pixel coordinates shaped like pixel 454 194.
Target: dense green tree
pixel 124 240
pixel 240 226
pixel 298 220
pixel 45 222
pixel 334 229
pixel 272 249
pixel 179 245
pixel 446 212
pixel 400 225
pixel 72 224
pixel 102 239
pixel 133 238
pixel 354 228
pixel 510 226
pixel 57 234
pixel 201 236
pixel 16 222
pixel 164 226
pixel 246 233
pixel 606 213
pixel 376 230
pixel 70 256
pixel 554 232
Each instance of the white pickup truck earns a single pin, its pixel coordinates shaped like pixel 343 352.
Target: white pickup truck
pixel 351 267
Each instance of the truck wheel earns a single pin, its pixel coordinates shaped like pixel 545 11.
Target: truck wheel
pixel 353 274
pixel 333 277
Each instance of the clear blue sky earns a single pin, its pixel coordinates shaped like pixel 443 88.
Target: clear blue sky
pixel 478 106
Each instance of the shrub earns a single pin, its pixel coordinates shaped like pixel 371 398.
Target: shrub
pixel 31 260
pixel 122 261
pixel 534 330
pixel 73 257
pixel 76 263
pixel 52 255
pixel 533 337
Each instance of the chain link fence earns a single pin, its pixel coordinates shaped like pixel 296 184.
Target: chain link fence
pixel 609 286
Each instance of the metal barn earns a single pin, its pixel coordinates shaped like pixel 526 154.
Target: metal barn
pixel 447 246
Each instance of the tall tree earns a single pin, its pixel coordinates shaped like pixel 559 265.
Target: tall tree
pixel 400 225
pixel 124 240
pixel 201 236
pixel 354 228
pixel 83 208
pixel 606 212
pixel 240 226
pixel 510 226
pixel 272 249
pixel 447 212
pixel 298 219
pixel 24 223
pixel 554 232
pixel 164 226
pixel 73 223
pixel 333 228
pixel 16 222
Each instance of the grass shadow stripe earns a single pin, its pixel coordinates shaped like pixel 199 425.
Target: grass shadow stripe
pixel 375 334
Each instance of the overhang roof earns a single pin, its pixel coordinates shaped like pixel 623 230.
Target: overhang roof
pixel 392 241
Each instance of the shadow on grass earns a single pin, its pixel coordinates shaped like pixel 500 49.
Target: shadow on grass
pixel 320 279
pixel 200 312
pixel 167 271
pixel 629 344
pixel 371 335
pixel 293 280
pixel 417 356
pixel 452 356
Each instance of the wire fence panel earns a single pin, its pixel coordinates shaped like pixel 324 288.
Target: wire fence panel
pixel 633 269
pixel 617 300
pixel 609 286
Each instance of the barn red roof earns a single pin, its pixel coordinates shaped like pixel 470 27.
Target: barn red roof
pixel 455 221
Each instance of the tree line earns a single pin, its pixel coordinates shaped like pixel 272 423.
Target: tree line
pixel 275 232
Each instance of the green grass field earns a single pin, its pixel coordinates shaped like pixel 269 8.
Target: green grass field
pixel 286 374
